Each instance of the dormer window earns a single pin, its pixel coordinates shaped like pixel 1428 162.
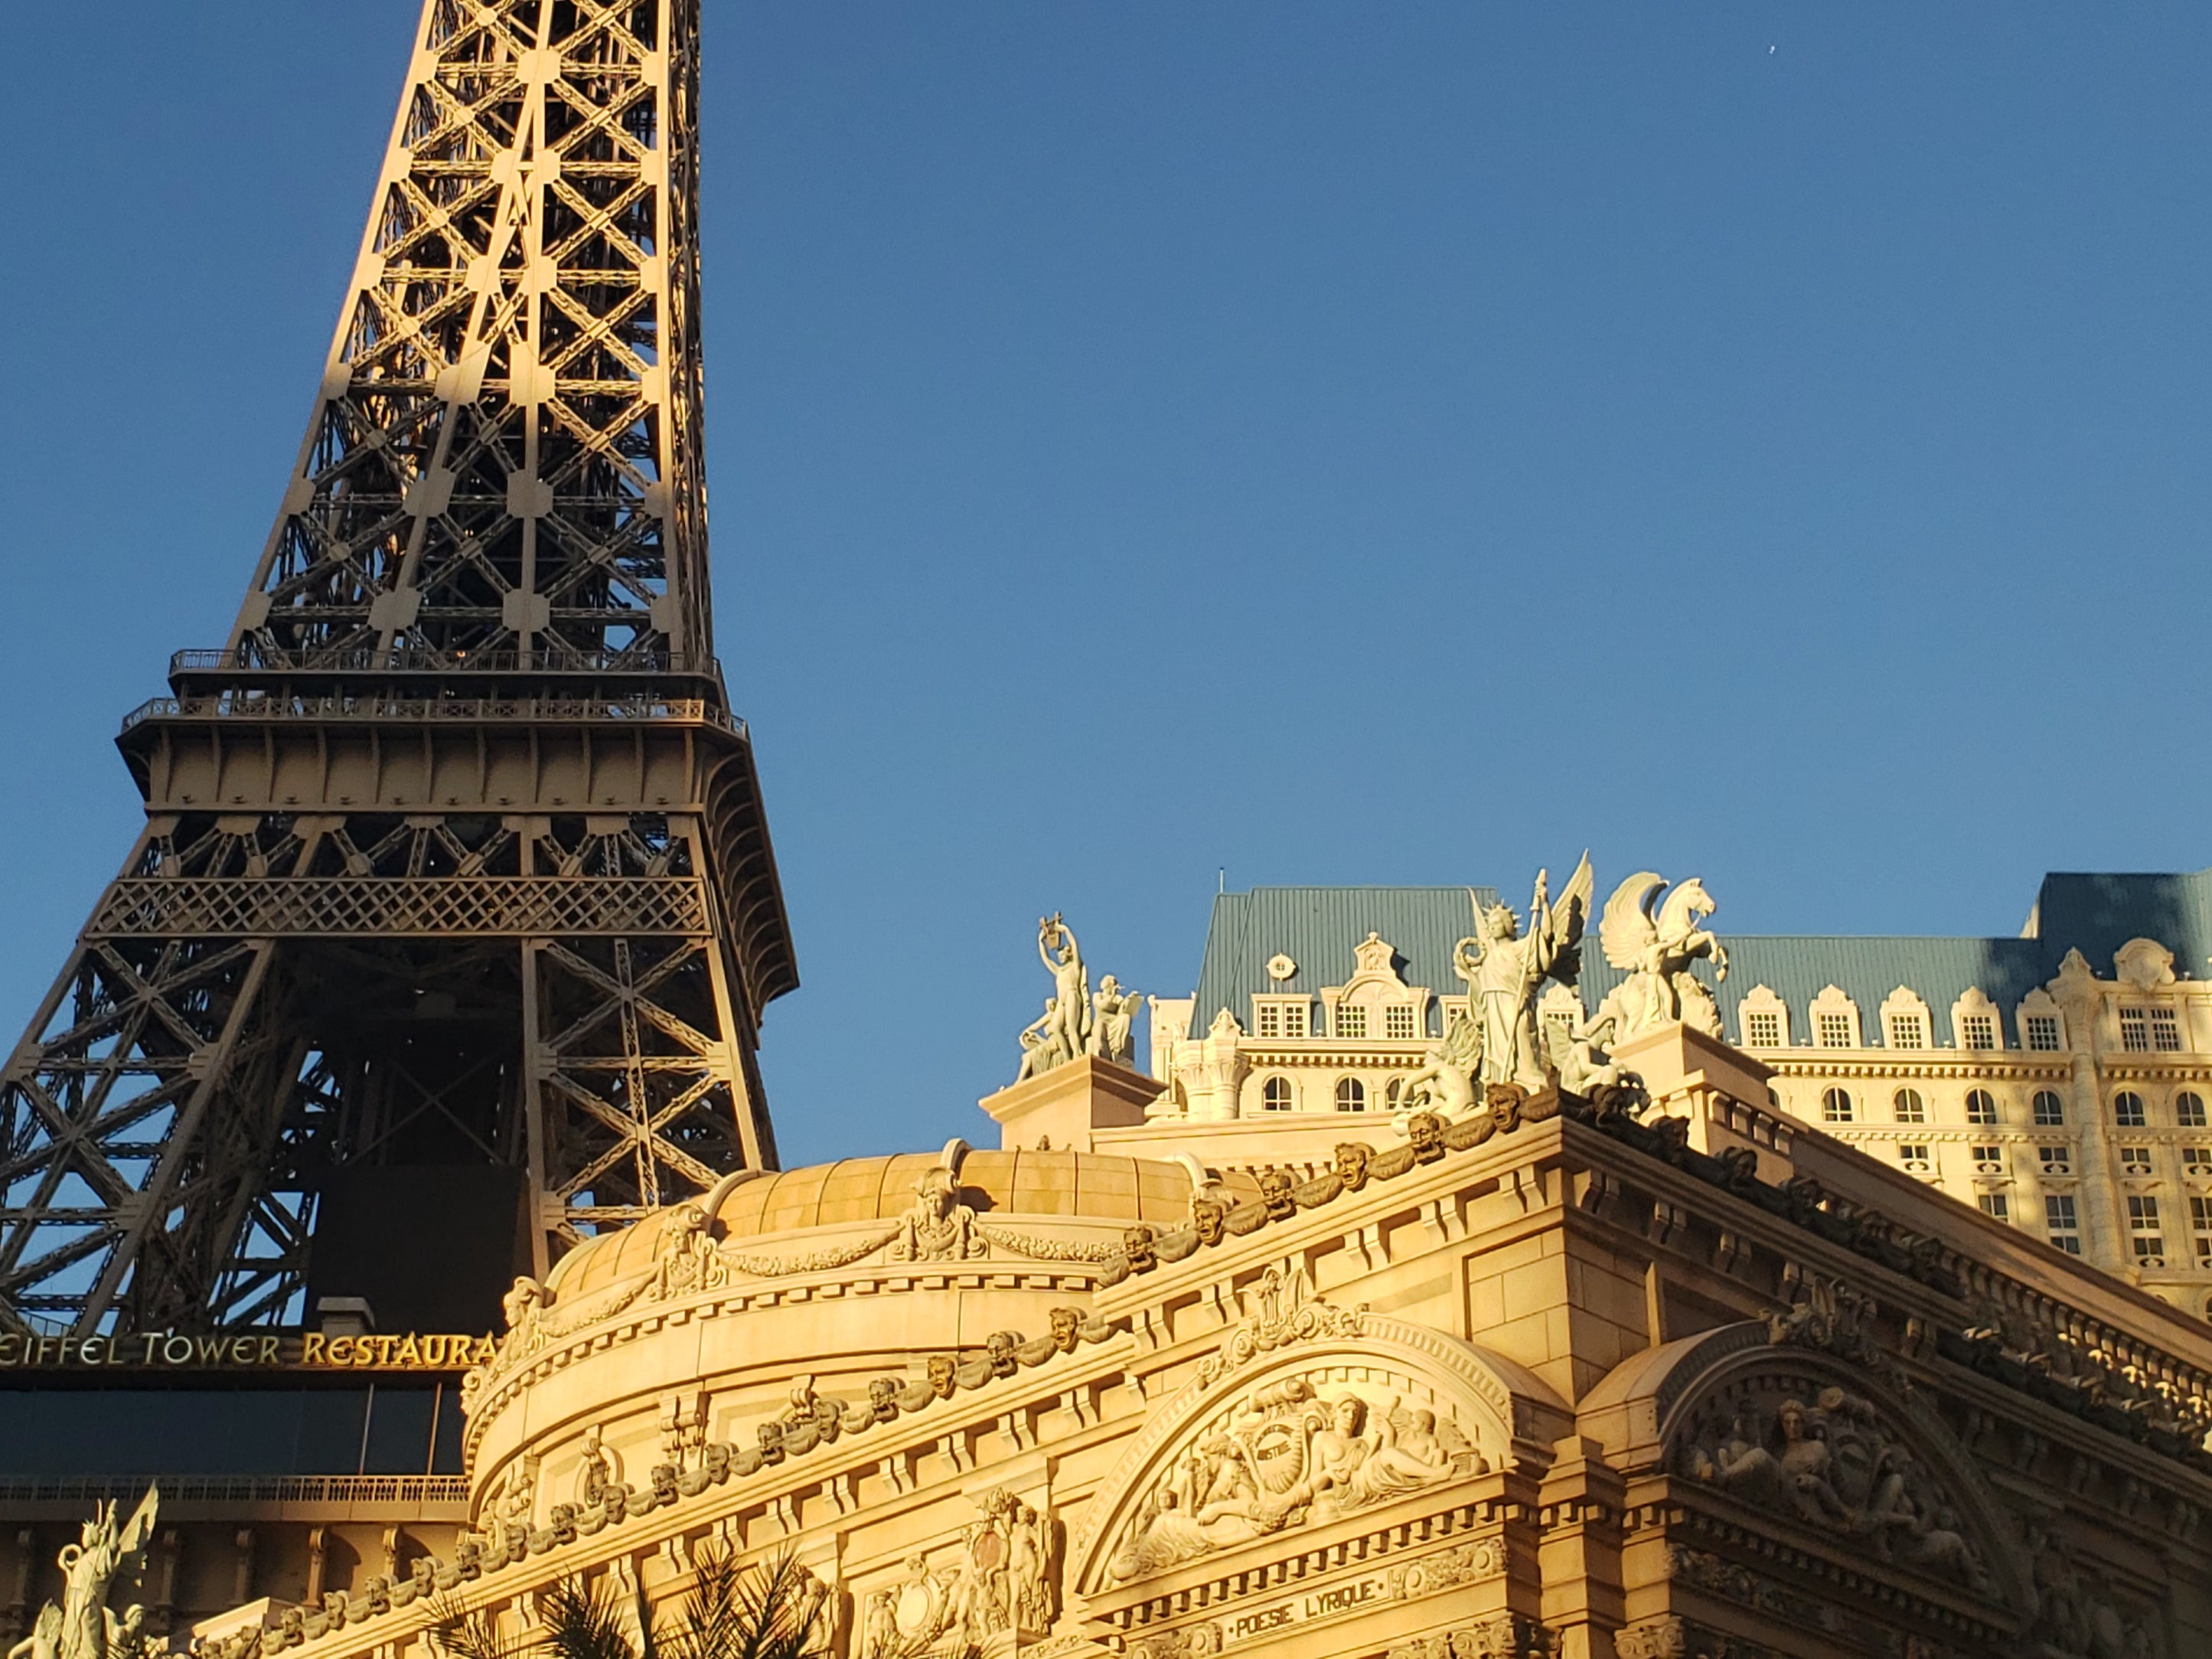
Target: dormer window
pixel 1908 1031
pixel 1977 1031
pixel 1762 1028
pixel 1398 1023
pixel 1835 1031
pixel 1279 1016
pixel 2042 1031
pixel 1351 1021
pixel 2150 1030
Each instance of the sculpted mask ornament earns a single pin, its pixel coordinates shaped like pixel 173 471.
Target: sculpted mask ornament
pixel 687 1260
pixel 1506 972
pixel 1208 1216
pixel 938 1226
pixel 1350 1162
pixel 1138 1244
pixel 81 1626
pixel 943 1371
pixel 1655 943
pixel 1283 1456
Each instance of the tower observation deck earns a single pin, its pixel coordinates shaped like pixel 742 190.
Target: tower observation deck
pixel 446 938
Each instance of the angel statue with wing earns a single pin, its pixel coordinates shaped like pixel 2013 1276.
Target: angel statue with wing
pixel 82 1627
pixel 1505 972
pixel 1654 942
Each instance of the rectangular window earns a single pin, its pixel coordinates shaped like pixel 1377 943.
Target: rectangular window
pixel 2055 1160
pixel 2135 1030
pixel 1912 1156
pixel 1988 1160
pixel 1398 1024
pixel 1978 1030
pixel 1995 1206
pixel 2164 1032
pixel 1762 1028
pixel 2200 1214
pixel 2150 1249
pixel 2134 1160
pixel 2042 1033
pixel 1294 1019
pixel 1835 1031
pixel 1907 1031
pixel 1270 1020
pixel 2065 1230
pixel 2198 1160
pixel 2143 1213
pixel 1351 1021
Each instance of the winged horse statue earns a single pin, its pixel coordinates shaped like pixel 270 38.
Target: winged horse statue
pixel 1655 940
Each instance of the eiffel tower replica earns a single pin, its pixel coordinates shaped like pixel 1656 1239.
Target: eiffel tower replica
pixel 447 940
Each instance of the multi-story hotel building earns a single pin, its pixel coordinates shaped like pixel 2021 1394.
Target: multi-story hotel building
pixel 2058 1080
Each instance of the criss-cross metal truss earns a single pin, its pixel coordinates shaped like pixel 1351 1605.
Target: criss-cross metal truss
pixel 454 854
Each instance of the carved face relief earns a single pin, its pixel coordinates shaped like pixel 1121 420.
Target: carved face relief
pixel 1275 1186
pixel 1001 1345
pixel 1137 1245
pixel 882 1398
pixel 941 1369
pixel 1205 1215
pixel 1351 1164
pixel 1425 1131
pixel 1065 1321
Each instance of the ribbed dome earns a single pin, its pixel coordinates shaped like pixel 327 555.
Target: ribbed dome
pixel 1082 1185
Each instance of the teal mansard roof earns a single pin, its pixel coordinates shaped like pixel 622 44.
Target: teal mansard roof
pixel 1317 928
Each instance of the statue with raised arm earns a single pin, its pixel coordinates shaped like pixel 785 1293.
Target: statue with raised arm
pixel 1070 985
pixel 1505 971
pixel 81 1626
pixel 1654 942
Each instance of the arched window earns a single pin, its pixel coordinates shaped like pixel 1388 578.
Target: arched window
pixel 1275 1094
pixel 1910 1108
pixel 2128 1109
pixel 1391 1091
pixel 1350 1094
pixel 1981 1106
pixel 2050 1110
pixel 1836 1107
pixel 2189 1109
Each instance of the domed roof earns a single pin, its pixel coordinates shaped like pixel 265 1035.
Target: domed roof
pixel 1098 1187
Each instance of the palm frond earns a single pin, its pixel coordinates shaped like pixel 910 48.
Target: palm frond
pixel 468 1634
pixel 581 1622
pixel 770 1611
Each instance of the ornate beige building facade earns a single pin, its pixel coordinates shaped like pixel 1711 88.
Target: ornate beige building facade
pixel 1541 1378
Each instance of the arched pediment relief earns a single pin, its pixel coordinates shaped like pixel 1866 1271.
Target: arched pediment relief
pixel 1812 1442
pixel 1307 1414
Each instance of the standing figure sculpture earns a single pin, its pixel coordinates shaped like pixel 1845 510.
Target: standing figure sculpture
pixel 1070 984
pixel 82 1627
pixel 1075 1022
pixel 1655 942
pixel 1505 972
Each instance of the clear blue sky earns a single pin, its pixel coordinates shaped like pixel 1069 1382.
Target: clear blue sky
pixel 1339 443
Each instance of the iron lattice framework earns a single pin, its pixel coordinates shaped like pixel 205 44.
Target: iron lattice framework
pixel 454 858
